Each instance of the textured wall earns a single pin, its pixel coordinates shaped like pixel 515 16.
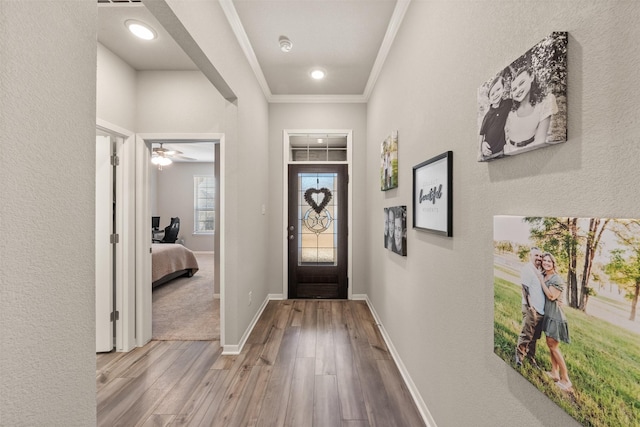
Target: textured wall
pixel 245 126
pixel 177 101
pixel 175 198
pixel 437 303
pixel 116 90
pixel 47 134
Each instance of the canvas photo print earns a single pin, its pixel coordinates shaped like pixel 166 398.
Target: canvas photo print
pixel 389 162
pixel 565 311
pixel 523 107
pixel 395 228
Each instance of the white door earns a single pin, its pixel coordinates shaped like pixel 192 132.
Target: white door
pixel 104 248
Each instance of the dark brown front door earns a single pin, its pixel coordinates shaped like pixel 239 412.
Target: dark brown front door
pixel 317 231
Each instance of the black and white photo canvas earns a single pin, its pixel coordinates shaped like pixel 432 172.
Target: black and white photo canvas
pixel 395 226
pixel 523 107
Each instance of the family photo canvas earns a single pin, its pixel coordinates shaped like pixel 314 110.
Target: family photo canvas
pixel 389 162
pixel 565 311
pixel 395 229
pixel 523 107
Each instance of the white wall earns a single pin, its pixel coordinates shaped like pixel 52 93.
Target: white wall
pixel 246 188
pixel 316 116
pixel 177 101
pixel 437 303
pixel 47 134
pixel 175 198
pixel 116 90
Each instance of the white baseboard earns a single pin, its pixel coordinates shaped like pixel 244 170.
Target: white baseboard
pixel 415 394
pixel 229 349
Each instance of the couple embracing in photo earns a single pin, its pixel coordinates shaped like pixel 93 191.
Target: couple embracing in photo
pixel 542 290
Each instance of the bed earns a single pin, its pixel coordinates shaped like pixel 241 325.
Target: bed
pixel 171 260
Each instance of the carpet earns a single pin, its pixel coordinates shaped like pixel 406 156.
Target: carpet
pixel 184 309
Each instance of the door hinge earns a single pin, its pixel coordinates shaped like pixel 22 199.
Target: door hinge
pixel 115 315
pixel 114 238
pixel 115 160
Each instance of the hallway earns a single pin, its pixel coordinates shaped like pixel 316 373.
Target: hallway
pixel 306 363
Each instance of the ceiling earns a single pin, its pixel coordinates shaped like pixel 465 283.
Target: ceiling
pixel 348 38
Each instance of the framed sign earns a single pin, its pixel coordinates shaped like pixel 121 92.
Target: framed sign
pixel 432 195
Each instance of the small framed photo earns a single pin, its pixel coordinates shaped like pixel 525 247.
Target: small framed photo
pixel 395 229
pixel 433 195
pixel 389 162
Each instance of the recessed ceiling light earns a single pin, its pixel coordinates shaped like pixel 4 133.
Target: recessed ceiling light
pixel 140 29
pixel 318 74
pixel 285 44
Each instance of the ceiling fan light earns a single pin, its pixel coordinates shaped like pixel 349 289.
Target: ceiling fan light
pixel 161 161
pixel 141 30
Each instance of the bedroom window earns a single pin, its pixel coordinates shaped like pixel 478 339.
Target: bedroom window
pixel 204 192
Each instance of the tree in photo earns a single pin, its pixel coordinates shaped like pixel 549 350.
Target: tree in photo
pixel 624 266
pixel 571 247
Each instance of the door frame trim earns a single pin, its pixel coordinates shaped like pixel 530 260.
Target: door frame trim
pixel 125 211
pixel 143 224
pixel 286 133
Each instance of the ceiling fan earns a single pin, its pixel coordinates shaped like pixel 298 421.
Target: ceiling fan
pixel 163 156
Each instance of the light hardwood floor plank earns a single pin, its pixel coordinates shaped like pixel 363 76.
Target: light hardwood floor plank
pixel 118 365
pixel 401 402
pixel 300 408
pixel 274 339
pixel 325 354
pixel 159 421
pixel 307 363
pixel 349 389
pixel 276 398
pixel 261 330
pixel 181 392
pixel 326 405
pixel 206 389
pixel 308 330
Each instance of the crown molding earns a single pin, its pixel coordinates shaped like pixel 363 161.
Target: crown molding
pixel 234 20
pixel 319 99
pixel 394 25
pixel 385 47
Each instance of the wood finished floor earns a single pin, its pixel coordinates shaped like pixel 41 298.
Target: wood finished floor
pixel 306 363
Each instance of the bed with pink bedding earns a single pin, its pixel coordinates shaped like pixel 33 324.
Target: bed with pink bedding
pixel 171 260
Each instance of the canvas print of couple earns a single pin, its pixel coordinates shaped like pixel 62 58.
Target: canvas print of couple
pixel 566 292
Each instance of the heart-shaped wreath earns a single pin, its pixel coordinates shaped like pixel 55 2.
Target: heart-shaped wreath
pixel 325 201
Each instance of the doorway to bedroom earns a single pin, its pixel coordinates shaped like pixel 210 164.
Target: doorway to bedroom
pixel 184 192
pixel 184 195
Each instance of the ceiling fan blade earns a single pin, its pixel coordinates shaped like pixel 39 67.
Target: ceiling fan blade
pixel 165 151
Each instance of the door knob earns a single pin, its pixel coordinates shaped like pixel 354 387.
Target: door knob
pixel 291 237
pixel 291 227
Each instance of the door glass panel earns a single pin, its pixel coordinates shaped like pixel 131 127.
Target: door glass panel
pixel 318 219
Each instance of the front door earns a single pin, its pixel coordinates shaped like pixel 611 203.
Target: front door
pixel 317 231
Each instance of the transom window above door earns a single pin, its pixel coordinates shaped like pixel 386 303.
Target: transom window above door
pixel 317 147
